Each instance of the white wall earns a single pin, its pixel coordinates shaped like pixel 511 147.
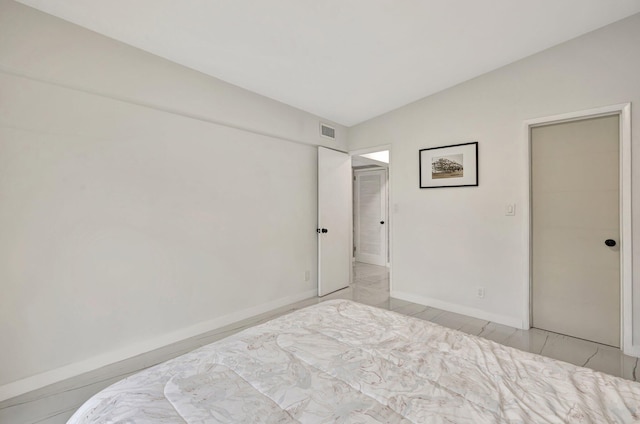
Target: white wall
pixel 448 242
pixel 140 201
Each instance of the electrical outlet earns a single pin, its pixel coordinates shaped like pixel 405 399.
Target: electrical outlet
pixel 481 292
pixel 307 275
pixel 510 209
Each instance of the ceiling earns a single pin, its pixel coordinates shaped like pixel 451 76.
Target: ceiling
pixel 344 60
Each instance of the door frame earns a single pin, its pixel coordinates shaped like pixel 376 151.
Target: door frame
pixel 626 301
pixel 390 213
pixel 356 209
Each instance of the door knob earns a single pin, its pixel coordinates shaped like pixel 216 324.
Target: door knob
pixel 324 231
pixel 610 242
pixel 382 222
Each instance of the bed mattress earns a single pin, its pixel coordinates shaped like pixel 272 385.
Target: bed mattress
pixel 342 361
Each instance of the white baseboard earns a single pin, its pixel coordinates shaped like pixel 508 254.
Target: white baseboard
pixel 38 381
pixel 459 309
pixel 631 350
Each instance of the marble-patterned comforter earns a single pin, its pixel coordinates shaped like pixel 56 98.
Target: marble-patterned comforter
pixel 341 361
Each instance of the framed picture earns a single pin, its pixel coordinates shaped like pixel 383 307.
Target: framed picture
pixel 449 166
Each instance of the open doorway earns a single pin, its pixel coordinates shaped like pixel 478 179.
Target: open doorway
pixel 371 220
pixel 370 208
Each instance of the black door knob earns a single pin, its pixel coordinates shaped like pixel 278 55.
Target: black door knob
pixel 610 242
pixel 382 222
pixel 324 231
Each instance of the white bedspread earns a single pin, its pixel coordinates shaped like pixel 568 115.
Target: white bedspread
pixel 341 361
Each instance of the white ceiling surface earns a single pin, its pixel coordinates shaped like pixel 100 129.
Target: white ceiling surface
pixel 381 156
pixel 344 60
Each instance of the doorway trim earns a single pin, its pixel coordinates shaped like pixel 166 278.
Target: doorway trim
pixel 390 219
pixel 623 110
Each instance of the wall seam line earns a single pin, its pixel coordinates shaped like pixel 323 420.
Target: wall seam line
pixel 20 74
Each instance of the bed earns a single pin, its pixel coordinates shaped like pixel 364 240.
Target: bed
pixel 341 361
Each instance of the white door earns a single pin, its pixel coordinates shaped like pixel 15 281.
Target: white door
pixel 575 219
pixel 370 201
pixel 334 220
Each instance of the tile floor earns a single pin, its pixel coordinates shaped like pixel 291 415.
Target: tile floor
pixel 371 286
pixel 56 403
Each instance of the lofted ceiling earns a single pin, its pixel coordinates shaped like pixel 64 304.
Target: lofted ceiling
pixel 344 60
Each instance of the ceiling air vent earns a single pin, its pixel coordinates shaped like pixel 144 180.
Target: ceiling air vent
pixel 327 131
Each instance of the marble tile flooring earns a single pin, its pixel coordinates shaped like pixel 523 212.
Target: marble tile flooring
pixel 56 403
pixel 371 284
